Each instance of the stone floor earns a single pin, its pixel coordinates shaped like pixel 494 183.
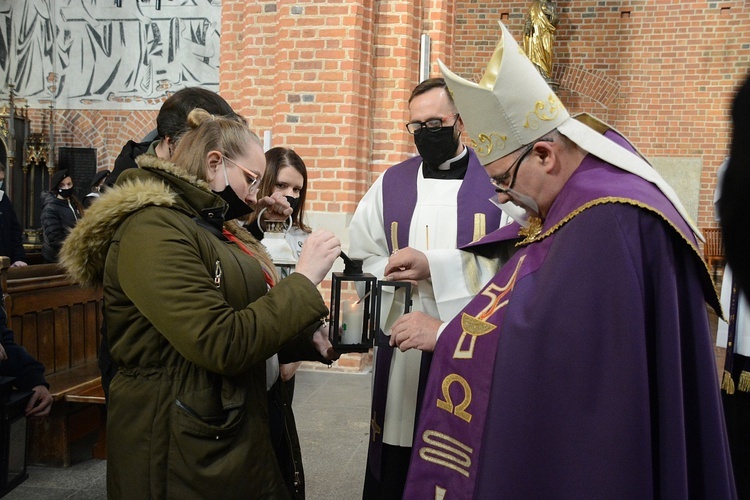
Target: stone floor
pixel 332 413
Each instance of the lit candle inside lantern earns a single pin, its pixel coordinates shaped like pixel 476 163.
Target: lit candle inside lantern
pixel 352 316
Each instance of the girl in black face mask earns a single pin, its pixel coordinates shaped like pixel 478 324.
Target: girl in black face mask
pixel 60 213
pixel 286 175
pixel 194 307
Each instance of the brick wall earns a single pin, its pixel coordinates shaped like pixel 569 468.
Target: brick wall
pixel 662 72
pixel 331 79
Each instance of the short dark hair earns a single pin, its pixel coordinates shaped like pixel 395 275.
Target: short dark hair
pixel 429 84
pixel 172 119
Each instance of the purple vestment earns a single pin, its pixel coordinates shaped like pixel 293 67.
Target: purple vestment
pixel 400 198
pixel 399 201
pixel 585 368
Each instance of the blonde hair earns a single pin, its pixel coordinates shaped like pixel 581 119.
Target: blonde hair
pixel 231 137
pixel 206 133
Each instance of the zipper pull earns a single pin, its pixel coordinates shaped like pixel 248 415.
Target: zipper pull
pixel 217 274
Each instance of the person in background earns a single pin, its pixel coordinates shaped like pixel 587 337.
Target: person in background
pixel 16 362
pixel 734 334
pixel 97 188
pixel 585 368
pixel 11 232
pixel 61 211
pixel 171 123
pixel 408 226
pixel 286 175
pixel 735 187
pixel 193 312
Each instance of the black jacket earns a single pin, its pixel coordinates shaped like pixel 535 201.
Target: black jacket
pixel 28 372
pixel 126 159
pixel 58 218
pixel 11 233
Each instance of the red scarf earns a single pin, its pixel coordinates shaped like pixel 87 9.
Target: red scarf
pixel 243 247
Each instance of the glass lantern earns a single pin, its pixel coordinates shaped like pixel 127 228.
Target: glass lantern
pixel 352 308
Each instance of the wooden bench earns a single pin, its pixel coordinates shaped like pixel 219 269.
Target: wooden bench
pixel 58 323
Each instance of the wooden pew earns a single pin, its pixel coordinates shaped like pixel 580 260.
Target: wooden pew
pixel 59 322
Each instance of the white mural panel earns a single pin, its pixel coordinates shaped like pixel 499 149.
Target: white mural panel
pixel 76 54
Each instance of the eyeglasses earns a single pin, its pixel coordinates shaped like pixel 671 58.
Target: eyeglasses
pixel 499 182
pixel 433 124
pixel 253 179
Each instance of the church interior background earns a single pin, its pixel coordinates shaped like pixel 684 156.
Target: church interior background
pixel 330 79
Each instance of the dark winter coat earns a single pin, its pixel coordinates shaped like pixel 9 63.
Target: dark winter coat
pixel 190 324
pixel 58 218
pixel 126 159
pixel 28 372
pixel 11 233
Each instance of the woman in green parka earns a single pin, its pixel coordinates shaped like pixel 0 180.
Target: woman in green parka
pixel 193 313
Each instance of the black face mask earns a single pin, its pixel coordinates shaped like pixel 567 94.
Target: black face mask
pixel 436 147
pixel 65 193
pixel 237 207
pixel 293 202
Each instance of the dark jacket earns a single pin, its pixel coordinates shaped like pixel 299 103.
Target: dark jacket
pixel 89 199
pixel 58 218
pixel 190 324
pixel 11 232
pixel 126 159
pixel 28 372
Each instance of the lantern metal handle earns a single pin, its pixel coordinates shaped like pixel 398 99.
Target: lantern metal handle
pixel 288 222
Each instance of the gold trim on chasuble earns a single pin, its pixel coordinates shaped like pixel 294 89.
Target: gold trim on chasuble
pixel 468 261
pixel 394 236
pixel 441 448
pixel 480 222
pixel 455 457
pixel 476 326
pixel 374 426
pixel 539 236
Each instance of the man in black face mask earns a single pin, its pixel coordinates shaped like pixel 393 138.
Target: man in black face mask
pixel 408 228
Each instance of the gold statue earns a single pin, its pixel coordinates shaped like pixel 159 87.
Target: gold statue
pixel 539 34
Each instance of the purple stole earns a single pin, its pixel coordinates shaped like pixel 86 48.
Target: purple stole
pixel 449 436
pixel 399 200
pixel 400 197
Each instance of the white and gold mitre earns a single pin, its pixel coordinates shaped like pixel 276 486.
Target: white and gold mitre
pixel 513 106
pixel 510 107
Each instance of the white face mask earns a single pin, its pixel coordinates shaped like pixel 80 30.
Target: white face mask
pixel 520 208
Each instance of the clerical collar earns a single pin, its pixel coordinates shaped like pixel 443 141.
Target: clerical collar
pixel 455 168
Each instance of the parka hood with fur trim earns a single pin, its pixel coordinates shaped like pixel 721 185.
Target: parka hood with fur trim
pixel 156 183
